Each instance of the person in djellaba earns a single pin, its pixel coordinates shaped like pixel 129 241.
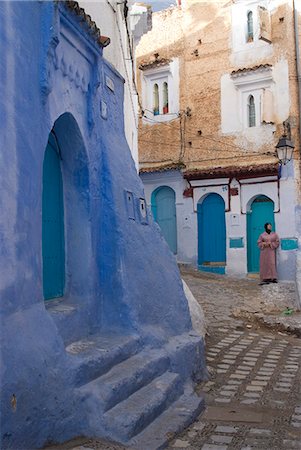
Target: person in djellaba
pixel 268 242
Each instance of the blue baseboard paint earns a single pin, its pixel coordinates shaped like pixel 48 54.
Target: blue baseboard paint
pixel 213 269
pixel 122 290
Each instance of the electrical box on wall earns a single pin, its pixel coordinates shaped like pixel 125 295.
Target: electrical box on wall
pixel 235 220
pixel 143 211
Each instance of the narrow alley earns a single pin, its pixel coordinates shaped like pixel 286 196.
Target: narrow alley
pixel 253 394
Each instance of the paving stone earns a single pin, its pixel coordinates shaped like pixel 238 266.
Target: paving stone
pixel 258 383
pixel 235 382
pixel 254 388
pixel 221 371
pixel 223 366
pixel 252 395
pixel 249 401
pixel 296 417
pixel 285 385
pixel 262 378
pixel 181 444
pixel 230 388
pixel 227 393
pixel 260 431
pixel 221 439
pixel 238 376
pixel 214 447
pixel 225 429
pixel 298 409
pixel 296 424
pixel 222 400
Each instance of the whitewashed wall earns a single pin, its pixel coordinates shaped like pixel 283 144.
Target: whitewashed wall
pixel 187 229
pixel 117 53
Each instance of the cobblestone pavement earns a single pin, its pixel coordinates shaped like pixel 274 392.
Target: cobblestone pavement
pixel 253 394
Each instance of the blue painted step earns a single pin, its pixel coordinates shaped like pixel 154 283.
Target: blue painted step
pixel 126 378
pixel 132 415
pixel 93 356
pixel 178 416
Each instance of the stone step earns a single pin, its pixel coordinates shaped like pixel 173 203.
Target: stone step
pixel 132 415
pixel 95 355
pixel 126 378
pixel 174 419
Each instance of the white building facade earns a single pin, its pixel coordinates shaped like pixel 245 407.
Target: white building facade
pixel 123 22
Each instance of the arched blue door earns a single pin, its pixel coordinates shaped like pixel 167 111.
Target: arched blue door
pixel 211 231
pixel 53 223
pixel 164 212
pixel 262 211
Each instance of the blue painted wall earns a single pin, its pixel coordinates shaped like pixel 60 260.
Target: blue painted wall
pixel 54 76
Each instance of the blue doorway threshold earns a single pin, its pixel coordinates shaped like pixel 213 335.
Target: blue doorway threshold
pixel 213 269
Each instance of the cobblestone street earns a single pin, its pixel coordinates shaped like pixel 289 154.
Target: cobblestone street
pixel 253 394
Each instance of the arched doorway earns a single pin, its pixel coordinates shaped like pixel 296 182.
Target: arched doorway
pixel 164 212
pixel 261 211
pixel 53 246
pixel 211 231
pixel 66 225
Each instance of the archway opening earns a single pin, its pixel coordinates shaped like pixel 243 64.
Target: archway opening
pixel 66 234
pixel 212 233
pixel 261 211
pixel 164 213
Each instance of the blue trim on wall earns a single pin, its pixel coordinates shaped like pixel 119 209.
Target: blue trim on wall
pixel 237 242
pixel 213 269
pixel 289 244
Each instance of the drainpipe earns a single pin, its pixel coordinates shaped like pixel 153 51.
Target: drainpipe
pixel 298 65
pixel 298 208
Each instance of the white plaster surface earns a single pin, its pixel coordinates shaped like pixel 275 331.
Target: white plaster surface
pixel 187 227
pixel 196 311
pixel 117 53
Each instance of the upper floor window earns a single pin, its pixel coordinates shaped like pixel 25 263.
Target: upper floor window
pixel 156 109
pixel 160 90
pixel 250 35
pixel 165 97
pixel 251 112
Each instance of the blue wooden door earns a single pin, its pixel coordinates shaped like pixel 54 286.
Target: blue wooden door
pixel 211 231
pixel 164 212
pixel 52 223
pixel 262 211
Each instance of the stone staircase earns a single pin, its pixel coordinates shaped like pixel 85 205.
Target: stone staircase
pixel 131 394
